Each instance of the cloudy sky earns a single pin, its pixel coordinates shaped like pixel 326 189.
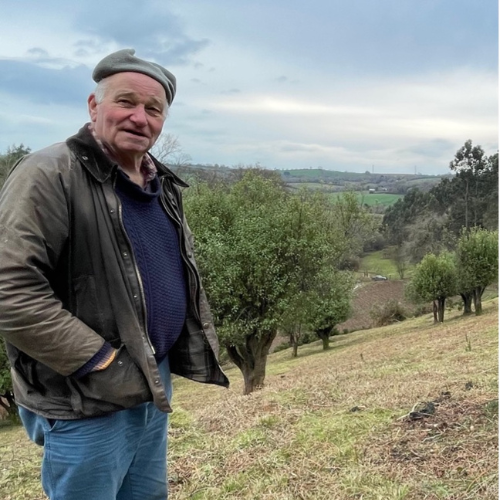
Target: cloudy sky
pixel 382 85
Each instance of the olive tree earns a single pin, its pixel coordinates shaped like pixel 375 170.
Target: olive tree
pixel 258 247
pixel 319 296
pixel 477 263
pixel 329 302
pixel 435 279
pixel 241 248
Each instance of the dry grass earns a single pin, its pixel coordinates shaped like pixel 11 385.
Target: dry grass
pixel 336 424
pixel 19 466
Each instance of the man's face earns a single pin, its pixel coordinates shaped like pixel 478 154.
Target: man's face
pixel 130 117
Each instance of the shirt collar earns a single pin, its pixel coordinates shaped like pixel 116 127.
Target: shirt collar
pixel 148 168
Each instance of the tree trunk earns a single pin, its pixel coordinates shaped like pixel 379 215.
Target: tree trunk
pixel 8 403
pixel 295 336
pixel 441 303
pixel 478 305
pixel 324 335
pixel 467 204
pixel 435 311
pixel 467 298
pixel 251 357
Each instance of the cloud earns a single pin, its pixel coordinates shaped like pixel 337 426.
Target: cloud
pixel 153 30
pixel 230 91
pixel 53 84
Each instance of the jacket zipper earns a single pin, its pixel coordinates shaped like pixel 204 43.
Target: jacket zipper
pixel 191 271
pixel 137 273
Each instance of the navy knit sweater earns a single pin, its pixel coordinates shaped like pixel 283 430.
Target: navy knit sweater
pixel 155 242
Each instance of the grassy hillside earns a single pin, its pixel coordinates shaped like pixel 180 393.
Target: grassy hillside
pixel 334 425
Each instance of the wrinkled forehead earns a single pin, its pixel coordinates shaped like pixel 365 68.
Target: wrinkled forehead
pixel 138 84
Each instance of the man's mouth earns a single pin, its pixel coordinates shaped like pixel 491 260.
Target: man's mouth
pixel 135 132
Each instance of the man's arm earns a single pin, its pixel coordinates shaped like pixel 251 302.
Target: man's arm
pixel 34 224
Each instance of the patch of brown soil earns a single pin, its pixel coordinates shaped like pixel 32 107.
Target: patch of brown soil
pixel 369 294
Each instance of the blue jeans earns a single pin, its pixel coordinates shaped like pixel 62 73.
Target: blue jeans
pixel 120 456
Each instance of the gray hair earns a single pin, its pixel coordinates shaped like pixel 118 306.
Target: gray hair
pixel 102 87
pixel 100 91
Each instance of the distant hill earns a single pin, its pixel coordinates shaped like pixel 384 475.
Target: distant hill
pixel 330 181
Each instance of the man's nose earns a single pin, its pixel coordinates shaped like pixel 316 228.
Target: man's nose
pixel 139 116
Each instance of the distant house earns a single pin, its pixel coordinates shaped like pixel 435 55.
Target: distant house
pixel 371 191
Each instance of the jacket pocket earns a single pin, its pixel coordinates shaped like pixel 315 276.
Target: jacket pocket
pixel 121 384
pixel 86 305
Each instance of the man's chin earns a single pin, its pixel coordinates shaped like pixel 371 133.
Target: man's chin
pixel 138 146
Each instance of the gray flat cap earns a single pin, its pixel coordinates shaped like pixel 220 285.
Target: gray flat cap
pixel 124 60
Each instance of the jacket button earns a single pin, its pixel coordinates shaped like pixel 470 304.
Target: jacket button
pixel 85 157
pixel 120 363
pixel 125 254
pixel 157 381
pixel 205 325
pixel 111 211
pixel 190 254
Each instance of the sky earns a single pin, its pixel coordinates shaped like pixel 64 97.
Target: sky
pixel 386 86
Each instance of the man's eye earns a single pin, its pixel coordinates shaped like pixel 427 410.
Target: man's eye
pixel 125 102
pixel 154 111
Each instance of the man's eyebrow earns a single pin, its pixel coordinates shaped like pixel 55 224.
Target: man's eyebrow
pixel 132 94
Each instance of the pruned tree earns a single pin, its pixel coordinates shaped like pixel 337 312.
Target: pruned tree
pixel 477 263
pixel 319 294
pixel 435 279
pixel 258 248
pixel 242 246
pixel 330 302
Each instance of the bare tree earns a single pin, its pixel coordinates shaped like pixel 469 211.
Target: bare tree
pixel 168 150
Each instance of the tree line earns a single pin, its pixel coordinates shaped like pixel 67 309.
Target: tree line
pixel 432 221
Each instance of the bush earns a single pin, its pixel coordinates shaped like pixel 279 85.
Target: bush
pixel 423 309
pixel 390 312
pixel 375 244
pixel 350 264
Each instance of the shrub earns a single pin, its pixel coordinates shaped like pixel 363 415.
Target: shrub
pixel 350 264
pixel 390 312
pixel 374 244
pixel 423 309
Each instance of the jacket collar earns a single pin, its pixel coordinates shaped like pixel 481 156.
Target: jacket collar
pixel 91 156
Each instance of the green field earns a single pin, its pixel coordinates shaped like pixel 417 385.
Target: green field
pixel 373 199
pixel 380 263
pixel 384 199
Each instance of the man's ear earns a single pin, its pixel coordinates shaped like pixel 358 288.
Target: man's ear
pixel 92 104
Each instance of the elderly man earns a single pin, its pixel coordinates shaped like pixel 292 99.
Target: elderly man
pixel 100 298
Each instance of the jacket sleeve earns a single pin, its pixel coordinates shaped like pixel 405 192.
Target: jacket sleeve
pixel 34 222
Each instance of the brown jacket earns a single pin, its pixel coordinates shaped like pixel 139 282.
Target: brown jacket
pixel 69 282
